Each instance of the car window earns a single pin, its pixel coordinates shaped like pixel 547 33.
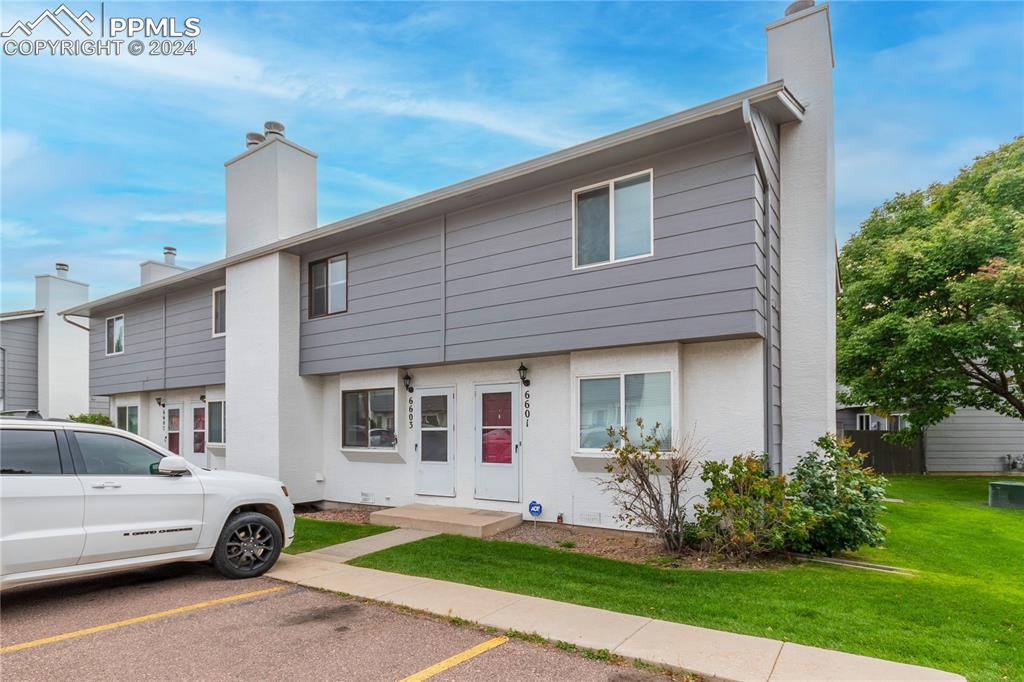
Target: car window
pixel 110 455
pixel 29 452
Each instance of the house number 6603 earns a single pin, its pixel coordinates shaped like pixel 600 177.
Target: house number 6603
pixel 412 420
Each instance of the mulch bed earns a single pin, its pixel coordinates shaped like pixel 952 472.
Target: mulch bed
pixel 347 515
pixel 638 548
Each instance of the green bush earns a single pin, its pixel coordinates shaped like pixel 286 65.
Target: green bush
pixel 89 418
pixel 844 497
pixel 749 511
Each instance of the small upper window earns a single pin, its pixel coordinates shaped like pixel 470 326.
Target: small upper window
pixel 219 313
pixel 328 286
pixel 613 221
pixel 863 422
pixel 115 335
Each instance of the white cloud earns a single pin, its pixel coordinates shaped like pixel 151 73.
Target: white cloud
pixel 16 234
pixel 214 218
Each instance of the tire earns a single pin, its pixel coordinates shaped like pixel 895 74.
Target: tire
pixel 248 546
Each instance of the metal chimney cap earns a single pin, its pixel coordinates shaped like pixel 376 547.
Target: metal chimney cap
pixel 62 269
pixel 169 253
pixel 273 128
pixel 799 6
pixel 253 139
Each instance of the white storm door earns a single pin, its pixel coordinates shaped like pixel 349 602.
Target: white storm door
pixel 498 443
pixel 173 423
pixel 435 441
pixel 196 444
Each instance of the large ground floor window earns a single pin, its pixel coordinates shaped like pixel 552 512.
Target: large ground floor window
pixel 618 400
pixel 368 418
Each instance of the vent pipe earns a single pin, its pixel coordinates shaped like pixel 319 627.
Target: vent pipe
pixel 169 254
pixel 273 129
pixel 62 270
pixel 253 139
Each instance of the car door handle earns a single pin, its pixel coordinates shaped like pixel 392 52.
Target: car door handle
pixel 106 484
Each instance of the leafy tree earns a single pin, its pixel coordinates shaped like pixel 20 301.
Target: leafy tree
pixel 932 312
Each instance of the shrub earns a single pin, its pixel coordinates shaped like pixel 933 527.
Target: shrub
pixel 90 418
pixel 748 510
pixel 648 479
pixel 844 497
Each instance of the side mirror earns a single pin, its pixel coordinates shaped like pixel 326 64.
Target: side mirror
pixel 172 465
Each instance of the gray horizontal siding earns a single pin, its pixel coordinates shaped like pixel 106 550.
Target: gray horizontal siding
pixel 168 344
pixel 973 440
pixel 20 341
pixel 497 280
pixel 394 303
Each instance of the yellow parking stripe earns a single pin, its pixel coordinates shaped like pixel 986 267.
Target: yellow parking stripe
pixel 472 652
pixel 137 619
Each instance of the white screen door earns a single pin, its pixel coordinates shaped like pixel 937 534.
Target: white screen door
pixel 498 447
pixel 199 456
pixel 172 423
pixel 435 441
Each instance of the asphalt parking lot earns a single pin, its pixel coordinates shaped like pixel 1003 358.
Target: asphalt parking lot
pixel 185 622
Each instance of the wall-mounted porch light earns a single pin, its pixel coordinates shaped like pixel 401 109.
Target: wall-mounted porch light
pixel 407 380
pixel 160 402
pixel 522 374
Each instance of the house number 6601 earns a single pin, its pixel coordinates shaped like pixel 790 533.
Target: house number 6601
pixel 526 408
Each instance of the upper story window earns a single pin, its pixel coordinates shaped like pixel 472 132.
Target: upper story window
pixel 219 312
pixel 115 335
pixel 328 286
pixel 613 220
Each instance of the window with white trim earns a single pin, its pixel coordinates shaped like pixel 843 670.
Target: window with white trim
pixel 328 286
pixel 217 432
pixel 115 335
pixel 128 418
pixel 613 220
pixel 368 419
pixel 616 400
pixel 219 311
pixel 863 422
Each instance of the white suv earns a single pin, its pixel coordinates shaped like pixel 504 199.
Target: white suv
pixel 79 499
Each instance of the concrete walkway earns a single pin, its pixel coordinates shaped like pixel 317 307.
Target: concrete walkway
pixel 711 654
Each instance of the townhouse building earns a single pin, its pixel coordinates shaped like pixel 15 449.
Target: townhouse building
pixel 471 345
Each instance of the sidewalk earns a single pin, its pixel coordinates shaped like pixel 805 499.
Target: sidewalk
pixel 711 654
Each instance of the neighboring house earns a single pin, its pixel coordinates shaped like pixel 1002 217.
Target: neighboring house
pixel 44 362
pixel 968 441
pixel 469 346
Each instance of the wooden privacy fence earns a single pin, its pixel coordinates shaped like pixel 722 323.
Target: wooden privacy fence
pixel 888 458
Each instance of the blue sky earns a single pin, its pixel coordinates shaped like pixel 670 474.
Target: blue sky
pixel 105 160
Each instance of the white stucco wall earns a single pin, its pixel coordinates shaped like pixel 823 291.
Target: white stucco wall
pixel 63 360
pixel 275 414
pixel 716 387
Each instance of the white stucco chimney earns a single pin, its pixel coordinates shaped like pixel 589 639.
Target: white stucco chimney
pixel 153 270
pixel 800 54
pixel 63 357
pixel 271 190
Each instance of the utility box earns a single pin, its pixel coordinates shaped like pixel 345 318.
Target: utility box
pixel 1006 494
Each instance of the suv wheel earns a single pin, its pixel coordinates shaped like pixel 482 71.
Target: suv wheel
pixel 248 546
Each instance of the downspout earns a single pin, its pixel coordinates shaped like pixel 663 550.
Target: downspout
pixel 766 362
pixel 444 288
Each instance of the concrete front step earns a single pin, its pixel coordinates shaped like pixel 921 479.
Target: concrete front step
pixel 474 523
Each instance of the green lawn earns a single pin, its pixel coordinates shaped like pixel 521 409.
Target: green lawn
pixel 964 612
pixel 313 534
